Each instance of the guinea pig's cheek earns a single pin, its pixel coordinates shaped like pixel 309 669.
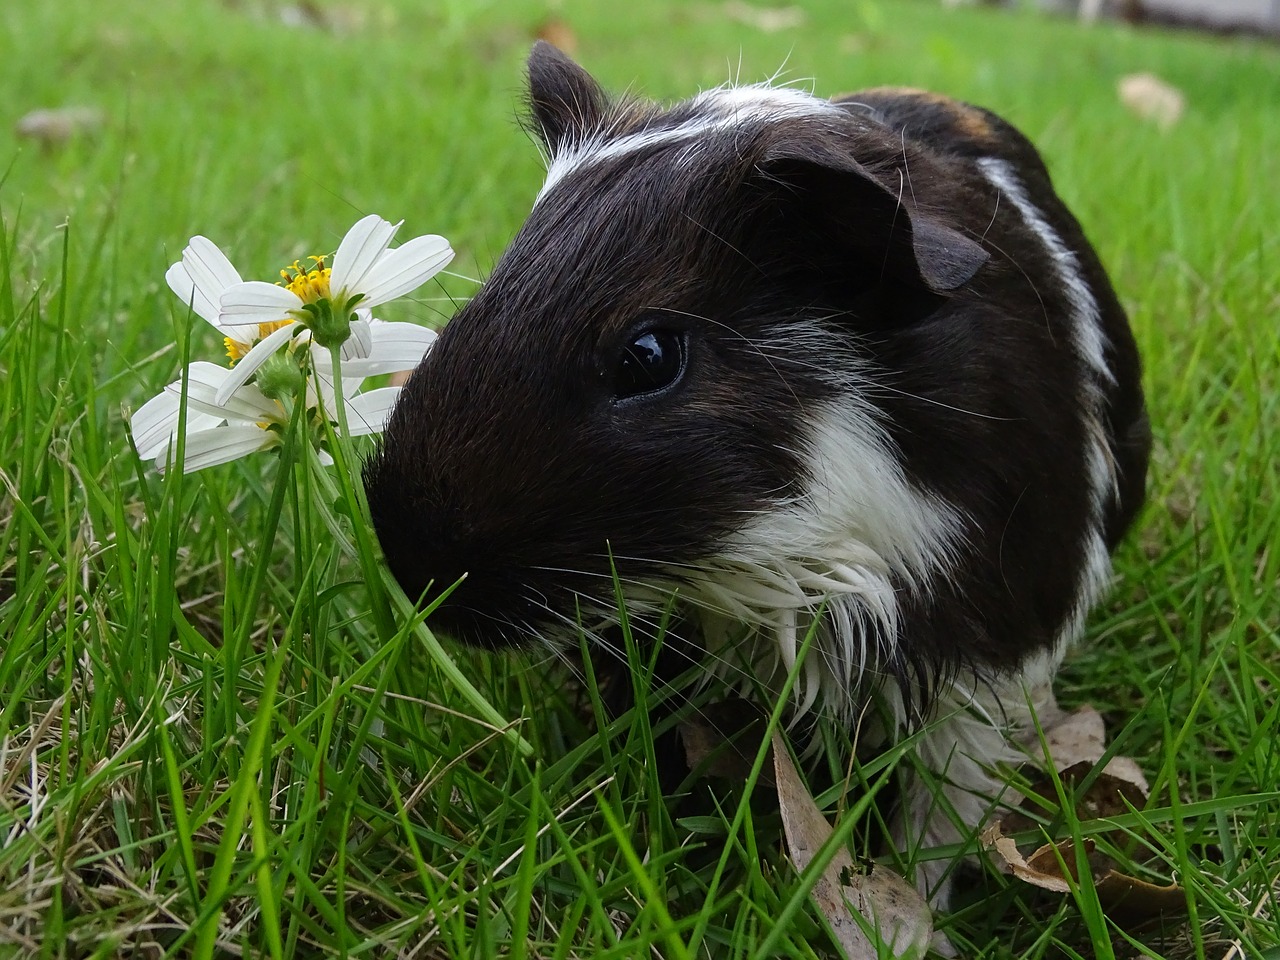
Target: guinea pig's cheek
pixel 856 540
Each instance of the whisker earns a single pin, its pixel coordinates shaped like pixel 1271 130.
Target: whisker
pixel 638 623
pixel 946 406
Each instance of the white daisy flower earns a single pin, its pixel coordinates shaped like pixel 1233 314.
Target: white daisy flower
pixel 363 268
pixel 248 421
pixel 227 415
pixel 375 347
pixel 257 318
pixel 365 273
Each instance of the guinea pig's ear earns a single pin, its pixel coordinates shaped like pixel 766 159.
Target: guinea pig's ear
pixel 916 247
pixel 566 103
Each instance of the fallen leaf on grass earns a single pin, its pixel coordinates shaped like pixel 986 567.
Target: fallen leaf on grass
pixel 765 19
pixel 851 900
pixel 1006 849
pixel 1127 900
pixel 559 34
pixel 1080 737
pixel 58 125
pixel 1152 98
pixel 1110 793
pixel 1074 743
pixel 724 741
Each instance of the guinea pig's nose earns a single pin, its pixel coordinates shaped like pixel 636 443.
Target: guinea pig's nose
pixel 474 608
pixel 480 604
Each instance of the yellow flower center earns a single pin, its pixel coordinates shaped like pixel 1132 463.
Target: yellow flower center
pixel 238 348
pixel 308 283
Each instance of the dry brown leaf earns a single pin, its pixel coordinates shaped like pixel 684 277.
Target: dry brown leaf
pixel 993 839
pixel 1074 745
pixel 1080 737
pixel 723 740
pixel 765 19
pixel 1152 98
pixel 1131 902
pixel 1127 900
pixel 849 899
pixel 1107 795
pixel 559 34
pixel 1071 738
pixel 58 125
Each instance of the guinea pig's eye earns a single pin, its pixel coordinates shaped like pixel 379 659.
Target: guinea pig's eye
pixel 653 360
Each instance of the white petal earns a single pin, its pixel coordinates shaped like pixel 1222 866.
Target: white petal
pixel 364 243
pixel 157 420
pixel 248 365
pixel 319 398
pixel 220 445
pixel 208 265
pixel 351 386
pixel 355 353
pixel 201 277
pixel 154 423
pixel 403 269
pixel 325 459
pixel 361 340
pixel 320 388
pixel 396 347
pixel 368 412
pixel 254 302
pixel 180 283
pixel 248 403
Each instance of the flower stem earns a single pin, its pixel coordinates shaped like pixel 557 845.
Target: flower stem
pixel 353 493
pixel 381 588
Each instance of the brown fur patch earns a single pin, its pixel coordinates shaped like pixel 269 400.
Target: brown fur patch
pixel 968 121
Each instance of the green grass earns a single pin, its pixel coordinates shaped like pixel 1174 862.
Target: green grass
pixel 208 746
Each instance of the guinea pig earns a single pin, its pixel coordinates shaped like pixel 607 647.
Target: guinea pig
pixel 784 364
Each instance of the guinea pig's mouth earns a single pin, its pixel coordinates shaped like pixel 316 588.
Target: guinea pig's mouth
pixel 497 610
pixel 506 609
pixel 478 612
pixel 486 592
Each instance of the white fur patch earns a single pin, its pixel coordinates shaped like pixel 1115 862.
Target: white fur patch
pixel 723 108
pixel 1089 341
pixel 956 778
pixel 845 546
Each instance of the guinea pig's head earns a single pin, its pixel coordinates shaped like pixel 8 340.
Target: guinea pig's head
pixel 636 387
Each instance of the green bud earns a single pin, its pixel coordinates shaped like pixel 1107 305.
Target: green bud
pixel 330 323
pixel 280 377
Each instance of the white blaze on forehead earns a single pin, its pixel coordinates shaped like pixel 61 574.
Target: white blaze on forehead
pixel 1089 342
pixel 857 535
pixel 723 108
pixel 760 101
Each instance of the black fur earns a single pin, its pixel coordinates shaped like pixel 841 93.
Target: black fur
pixel 509 460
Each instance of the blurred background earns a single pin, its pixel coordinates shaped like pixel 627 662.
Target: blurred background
pixel 217 116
